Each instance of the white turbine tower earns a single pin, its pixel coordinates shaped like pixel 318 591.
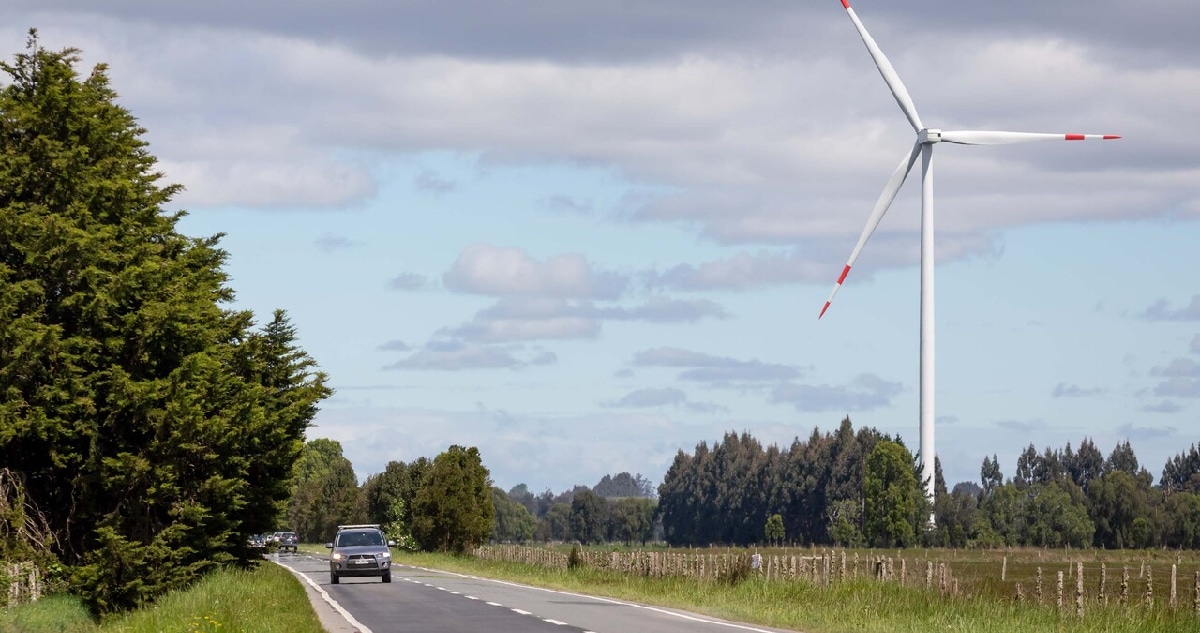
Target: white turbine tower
pixel 926 139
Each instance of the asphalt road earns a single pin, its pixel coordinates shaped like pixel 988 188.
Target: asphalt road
pixel 430 601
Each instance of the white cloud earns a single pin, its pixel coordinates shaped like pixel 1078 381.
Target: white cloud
pixel 865 393
pixel 1162 311
pixel 1178 387
pixel 650 397
pixel 1063 390
pixel 491 270
pixel 330 243
pixel 527 319
pixel 1164 406
pixel 701 367
pixel 1179 367
pixel 766 158
pixel 407 282
pixel 454 356
pixel 431 182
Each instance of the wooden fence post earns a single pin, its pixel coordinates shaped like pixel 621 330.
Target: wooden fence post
pixel 1059 590
pixel 1079 590
pixel 1174 570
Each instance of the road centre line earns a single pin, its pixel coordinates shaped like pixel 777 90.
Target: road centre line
pixel 682 616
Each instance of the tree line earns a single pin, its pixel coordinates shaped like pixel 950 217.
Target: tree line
pixel 855 488
pixel 444 504
pixel 449 503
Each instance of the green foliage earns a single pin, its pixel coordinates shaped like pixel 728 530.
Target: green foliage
pixel 513 523
pixel 325 492
pixel 1115 501
pixel 153 427
pixel 845 518
pixel 624 485
pixel 773 531
pixel 632 519
pixel 1053 519
pixel 453 510
pixel 556 524
pixel 589 517
pixel 575 557
pixel 891 493
pixel 722 494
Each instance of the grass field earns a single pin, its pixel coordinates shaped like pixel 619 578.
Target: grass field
pixel 266 600
pixel 983 602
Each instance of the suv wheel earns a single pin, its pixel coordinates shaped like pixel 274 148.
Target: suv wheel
pixel 333 578
pixel 387 577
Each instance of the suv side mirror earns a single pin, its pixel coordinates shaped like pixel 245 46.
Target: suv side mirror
pixel 329 546
pixel 391 543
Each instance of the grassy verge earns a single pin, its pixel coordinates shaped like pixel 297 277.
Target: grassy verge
pixel 853 606
pixel 266 600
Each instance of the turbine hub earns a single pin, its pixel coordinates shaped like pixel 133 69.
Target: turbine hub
pixel 929 136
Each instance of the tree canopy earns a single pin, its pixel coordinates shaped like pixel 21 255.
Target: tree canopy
pixel 154 426
pixel 453 510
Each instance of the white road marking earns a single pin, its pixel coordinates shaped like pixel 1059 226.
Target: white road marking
pixel 522 612
pixel 471 598
pixel 326 597
pixel 548 620
pixel 682 616
pixel 494 604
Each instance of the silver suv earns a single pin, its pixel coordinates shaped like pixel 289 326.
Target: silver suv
pixel 358 551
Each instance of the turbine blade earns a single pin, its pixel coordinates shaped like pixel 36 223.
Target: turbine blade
pixel 881 207
pixel 990 137
pixel 889 73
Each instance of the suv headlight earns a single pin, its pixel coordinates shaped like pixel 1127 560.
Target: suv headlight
pixel 384 555
pixel 337 556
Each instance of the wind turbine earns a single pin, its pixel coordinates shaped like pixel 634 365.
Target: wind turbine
pixel 926 139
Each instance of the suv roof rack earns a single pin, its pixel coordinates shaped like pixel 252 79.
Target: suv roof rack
pixel 359 526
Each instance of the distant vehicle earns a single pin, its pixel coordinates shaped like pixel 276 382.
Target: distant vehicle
pixel 285 541
pixel 257 541
pixel 360 551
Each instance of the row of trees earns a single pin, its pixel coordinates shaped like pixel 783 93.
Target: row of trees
pixel 148 426
pixel 856 488
pixel 444 504
pixel 820 488
pixel 1078 498
pixel 449 504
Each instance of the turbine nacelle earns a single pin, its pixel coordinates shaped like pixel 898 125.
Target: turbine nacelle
pixel 929 136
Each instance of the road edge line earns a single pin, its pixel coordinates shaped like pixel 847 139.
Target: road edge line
pixel 362 628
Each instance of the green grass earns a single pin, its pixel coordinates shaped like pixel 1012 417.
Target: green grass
pixel 267 599
pixel 52 614
pixel 852 606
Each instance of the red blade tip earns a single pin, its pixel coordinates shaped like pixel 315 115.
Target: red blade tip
pixel 846 3
pixel 1109 137
pixel 823 311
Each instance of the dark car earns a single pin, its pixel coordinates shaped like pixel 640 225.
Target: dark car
pixel 360 551
pixel 286 541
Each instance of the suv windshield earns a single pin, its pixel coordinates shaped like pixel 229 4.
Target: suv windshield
pixel 359 539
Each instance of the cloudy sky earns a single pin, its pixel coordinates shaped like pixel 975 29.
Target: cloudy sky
pixel 583 235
